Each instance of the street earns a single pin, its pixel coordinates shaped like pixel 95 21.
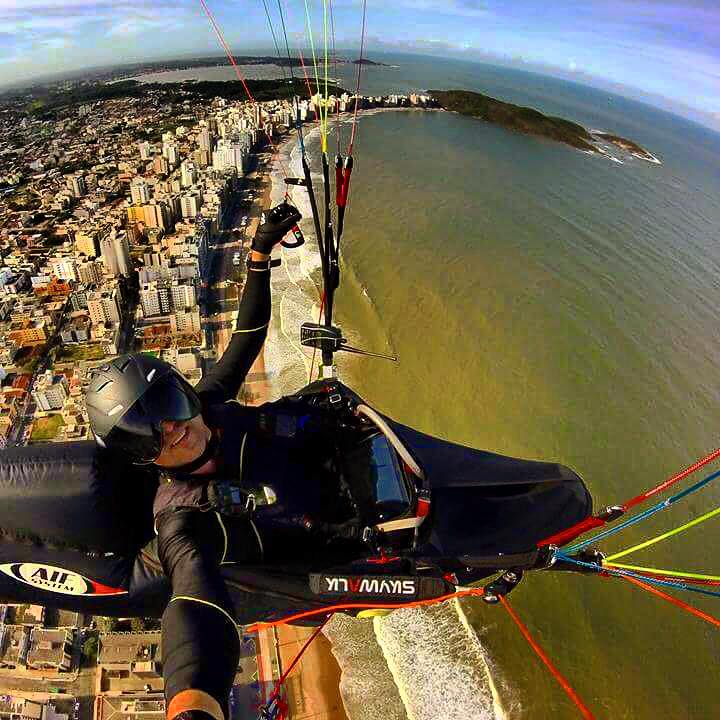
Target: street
pixel 223 286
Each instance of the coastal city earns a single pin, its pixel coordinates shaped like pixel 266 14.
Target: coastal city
pixel 124 227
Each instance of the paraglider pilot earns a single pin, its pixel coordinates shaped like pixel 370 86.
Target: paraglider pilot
pixel 142 407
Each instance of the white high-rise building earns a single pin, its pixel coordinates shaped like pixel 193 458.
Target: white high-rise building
pixel 204 139
pixel 115 251
pixel 153 260
pixel 161 165
pixel 172 152
pixel 155 299
pixel 104 306
pixel 185 323
pixel 50 391
pixel 157 215
pixel 77 186
pixel 64 268
pixel 188 174
pixel 190 205
pixel 183 296
pixel 86 242
pixel 139 192
pixel 144 150
pixel 90 273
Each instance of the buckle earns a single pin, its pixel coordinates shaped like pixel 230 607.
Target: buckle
pixel 503 585
pixel 250 503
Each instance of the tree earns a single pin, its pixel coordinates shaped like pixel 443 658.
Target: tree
pixel 106 624
pixel 90 650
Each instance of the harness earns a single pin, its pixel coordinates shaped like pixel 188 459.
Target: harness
pixel 321 414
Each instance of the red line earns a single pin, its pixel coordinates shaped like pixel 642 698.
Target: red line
pixel 547 662
pixel 364 606
pixel 680 578
pixel 221 38
pixel 565 536
pixel 240 77
pixel 307 79
pixel 671 481
pixel 674 601
pixel 584 526
pixel 283 677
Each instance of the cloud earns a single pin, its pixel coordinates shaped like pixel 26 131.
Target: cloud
pixel 461 8
pixel 37 17
pixel 140 24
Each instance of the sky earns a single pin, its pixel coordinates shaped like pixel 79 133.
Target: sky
pixel 669 49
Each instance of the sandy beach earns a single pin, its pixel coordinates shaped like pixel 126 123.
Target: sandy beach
pixel 311 690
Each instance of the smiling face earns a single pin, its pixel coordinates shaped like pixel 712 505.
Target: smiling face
pixel 183 441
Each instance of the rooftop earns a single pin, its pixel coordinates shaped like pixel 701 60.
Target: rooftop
pixel 48 647
pixel 126 648
pixel 131 708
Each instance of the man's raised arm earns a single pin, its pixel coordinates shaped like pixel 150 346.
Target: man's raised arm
pixel 223 382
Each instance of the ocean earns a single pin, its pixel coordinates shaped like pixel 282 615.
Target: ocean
pixel 544 304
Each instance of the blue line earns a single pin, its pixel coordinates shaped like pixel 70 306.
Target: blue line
pixel 694 487
pixel 645 514
pixel 644 578
pixel 617 528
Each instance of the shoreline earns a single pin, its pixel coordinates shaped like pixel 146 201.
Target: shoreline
pixel 296 287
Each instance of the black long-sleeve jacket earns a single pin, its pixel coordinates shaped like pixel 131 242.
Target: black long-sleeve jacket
pixel 201 644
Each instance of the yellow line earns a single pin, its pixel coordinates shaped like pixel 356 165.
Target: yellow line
pixel 664 536
pixel 660 571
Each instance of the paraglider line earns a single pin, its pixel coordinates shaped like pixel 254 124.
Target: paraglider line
pixel 546 661
pixel 338 126
pixel 674 601
pixel 626 573
pixel 312 364
pixel 467 592
pixel 588 524
pixel 695 578
pixel 307 79
pixel 296 659
pixel 671 481
pixel 357 86
pixel 308 29
pixel 645 514
pixel 240 77
pixel 664 536
pixel 275 42
pixel 221 38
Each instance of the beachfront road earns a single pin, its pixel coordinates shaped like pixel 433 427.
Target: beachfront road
pixel 225 279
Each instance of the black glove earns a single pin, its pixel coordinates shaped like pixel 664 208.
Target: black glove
pixel 275 224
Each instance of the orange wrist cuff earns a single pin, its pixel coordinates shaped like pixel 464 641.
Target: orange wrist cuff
pixel 194 700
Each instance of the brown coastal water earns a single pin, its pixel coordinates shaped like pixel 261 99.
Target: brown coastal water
pixel 544 304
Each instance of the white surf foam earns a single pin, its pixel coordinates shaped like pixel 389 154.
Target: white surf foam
pixel 438 664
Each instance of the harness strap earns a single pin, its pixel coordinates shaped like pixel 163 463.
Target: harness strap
pixel 401 524
pixel 394 440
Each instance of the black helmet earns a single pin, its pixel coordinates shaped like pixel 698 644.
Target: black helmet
pixel 130 396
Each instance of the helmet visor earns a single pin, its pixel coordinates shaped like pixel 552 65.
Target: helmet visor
pixel 139 431
pixel 172 398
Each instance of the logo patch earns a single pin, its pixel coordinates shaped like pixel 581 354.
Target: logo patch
pixel 384 586
pixel 57 580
